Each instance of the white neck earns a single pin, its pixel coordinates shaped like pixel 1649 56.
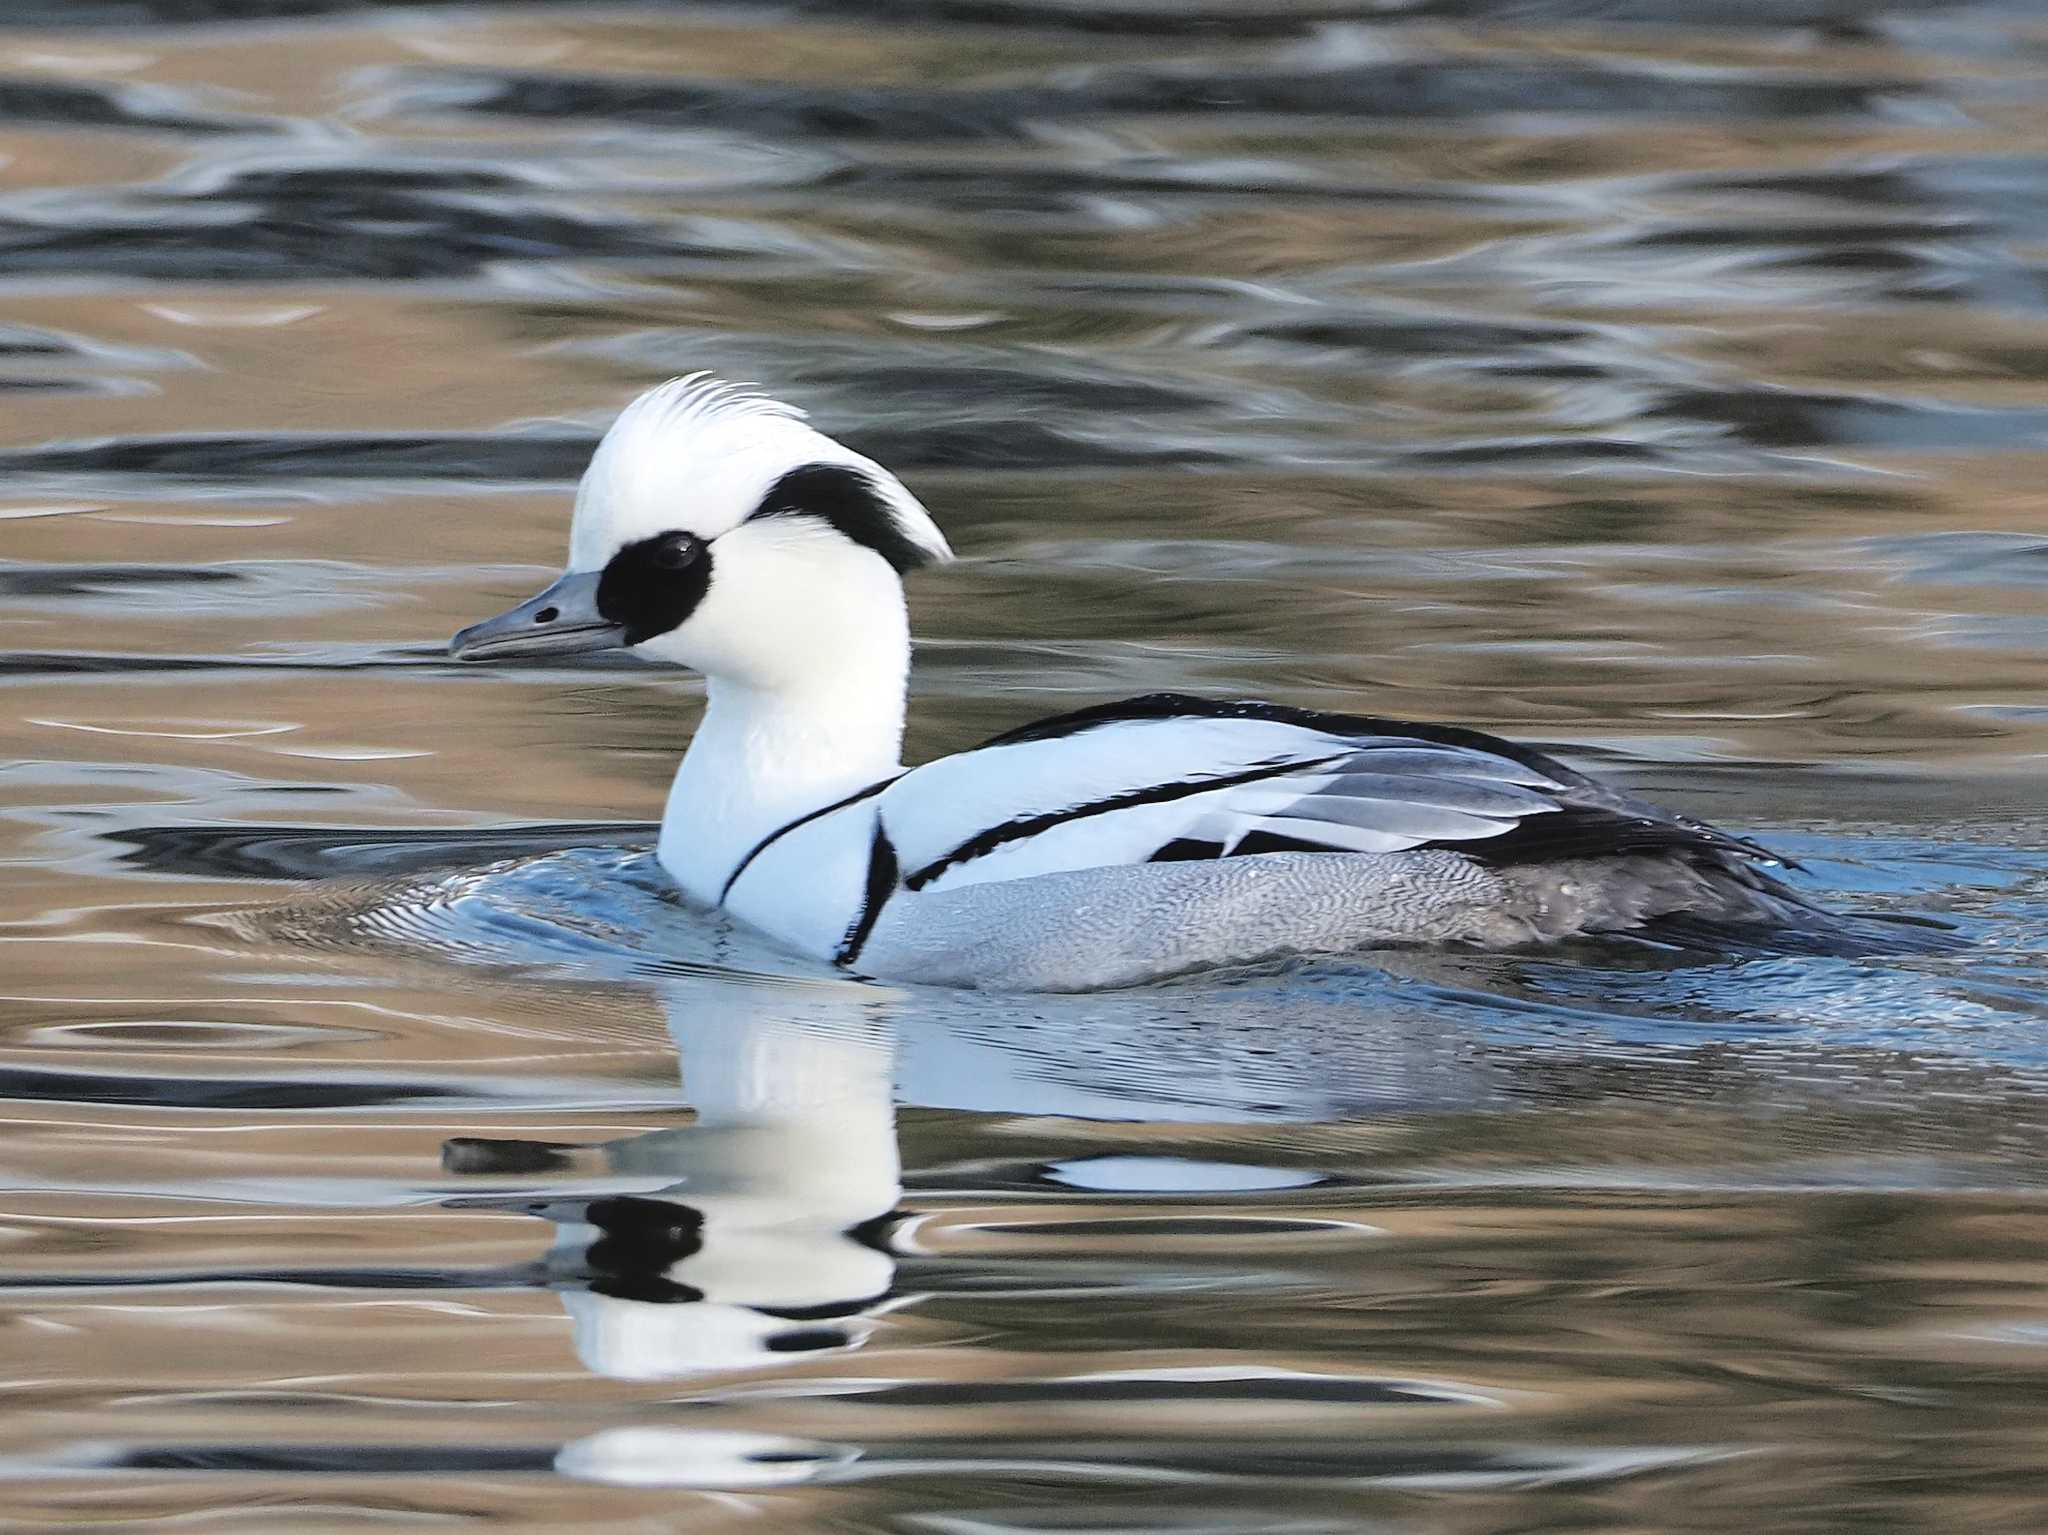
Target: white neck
pixel 773 747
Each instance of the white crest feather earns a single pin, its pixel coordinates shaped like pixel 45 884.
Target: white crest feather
pixel 699 397
pixel 697 454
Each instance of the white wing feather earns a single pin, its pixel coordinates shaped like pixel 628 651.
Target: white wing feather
pixel 1118 793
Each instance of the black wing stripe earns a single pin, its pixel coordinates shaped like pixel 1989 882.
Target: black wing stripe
pixel 1187 850
pixel 881 885
pixel 1582 832
pixel 803 820
pixel 993 837
pixel 1167 706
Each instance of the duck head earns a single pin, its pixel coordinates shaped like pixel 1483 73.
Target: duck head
pixel 715 528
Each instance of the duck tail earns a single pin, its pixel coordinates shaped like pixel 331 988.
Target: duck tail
pixel 1806 930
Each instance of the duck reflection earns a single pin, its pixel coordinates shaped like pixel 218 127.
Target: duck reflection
pixel 762 1229
pixel 762 1232
pixel 765 1242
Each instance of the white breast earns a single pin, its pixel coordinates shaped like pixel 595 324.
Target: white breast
pixel 807 886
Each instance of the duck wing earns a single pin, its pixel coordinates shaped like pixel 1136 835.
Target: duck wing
pixel 1171 776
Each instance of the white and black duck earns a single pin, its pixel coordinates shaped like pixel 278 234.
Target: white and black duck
pixel 717 530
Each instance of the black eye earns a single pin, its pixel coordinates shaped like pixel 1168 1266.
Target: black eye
pixel 676 551
pixel 650 586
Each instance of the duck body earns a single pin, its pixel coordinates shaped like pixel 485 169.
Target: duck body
pixel 1168 833
pixel 1106 847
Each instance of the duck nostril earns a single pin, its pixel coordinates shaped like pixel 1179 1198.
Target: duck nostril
pixel 547 615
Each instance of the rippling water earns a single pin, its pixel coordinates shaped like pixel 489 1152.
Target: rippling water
pixel 1661 382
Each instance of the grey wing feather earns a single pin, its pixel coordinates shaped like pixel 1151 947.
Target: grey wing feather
pixel 1387 797
pixel 1470 795
pixel 1384 798
pixel 1410 762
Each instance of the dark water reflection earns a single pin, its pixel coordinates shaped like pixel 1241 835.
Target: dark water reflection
pixel 1664 383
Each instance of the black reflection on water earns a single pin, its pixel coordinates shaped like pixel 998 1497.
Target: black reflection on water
pixel 1447 88
pixel 338 1459
pixel 170 1092
pixel 297 853
pixel 547 458
pixel 268 458
pixel 50 103
pixel 1317 1390
pixel 318 222
pixel 44 581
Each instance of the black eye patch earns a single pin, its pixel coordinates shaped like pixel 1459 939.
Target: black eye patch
pixel 651 586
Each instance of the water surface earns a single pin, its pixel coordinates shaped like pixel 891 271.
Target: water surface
pixel 384 1146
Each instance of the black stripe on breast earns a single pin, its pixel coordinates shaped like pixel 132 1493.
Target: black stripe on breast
pixel 881 885
pixel 803 820
pixel 987 841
